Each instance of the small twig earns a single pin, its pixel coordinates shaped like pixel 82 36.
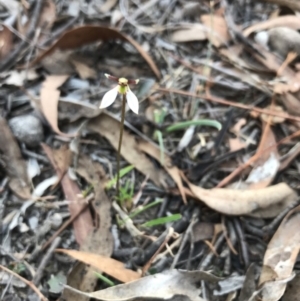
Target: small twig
pixel 168 237
pixel 64 226
pixel 120 142
pixel 6 287
pixel 212 248
pixel 252 230
pixel 127 221
pixel 230 103
pixel 185 238
pixel 39 273
pixel 242 241
pixel 277 220
pixel 227 263
pixel 27 282
pixel 141 259
pixel 169 250
pixel 207 259
pixel 230 245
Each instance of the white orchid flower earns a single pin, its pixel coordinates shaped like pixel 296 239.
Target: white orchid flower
pixel 123 89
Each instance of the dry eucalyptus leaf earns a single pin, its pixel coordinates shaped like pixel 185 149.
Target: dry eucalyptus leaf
pixel 217 29
pixel 196 32
pixel 15 166
pixel 49 100
pixel 6 41
pixel 249 285
pixel 104 264
pixel 161 286
pixel 281 256
pixel 99 240
pixel 292 4
pixel 267 165
pixel 245 202
pixel 264 172
pixel 109 128
pixel 290 21
pixel 291 102
pixel 83 224
pixel 84 70
pixel 88 34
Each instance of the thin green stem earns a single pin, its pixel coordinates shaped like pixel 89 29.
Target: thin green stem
pixel 120 142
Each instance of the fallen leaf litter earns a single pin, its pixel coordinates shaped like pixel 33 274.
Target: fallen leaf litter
pixel 197 204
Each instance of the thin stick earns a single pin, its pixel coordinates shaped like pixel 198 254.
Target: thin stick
pixel 120 142
pixel 230 103
pixel 64 226
pixel 27 282
pixel 39 273
pixel 166 240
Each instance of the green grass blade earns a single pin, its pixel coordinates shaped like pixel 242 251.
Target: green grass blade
pixel 161 147
pixel 123 172
pixel 162 220
pixel 201 122
pixel 105 279
pixel 138 211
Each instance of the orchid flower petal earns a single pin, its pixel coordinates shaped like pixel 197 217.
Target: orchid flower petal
pixel 109 97
pixel 132 101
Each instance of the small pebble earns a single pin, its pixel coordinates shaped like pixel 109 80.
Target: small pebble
pixel 27 129
pixel 56 220
pixel 23 228
pixel 33 222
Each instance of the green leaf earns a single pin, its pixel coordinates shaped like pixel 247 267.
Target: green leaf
pixel 56 283
pixel 201 122
pixel 161 147
pixel 123 172
pixel 105 279
pixel 159 115
pixel 162 220
pixel 144 208
pixel 126 193
pixel 140 210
